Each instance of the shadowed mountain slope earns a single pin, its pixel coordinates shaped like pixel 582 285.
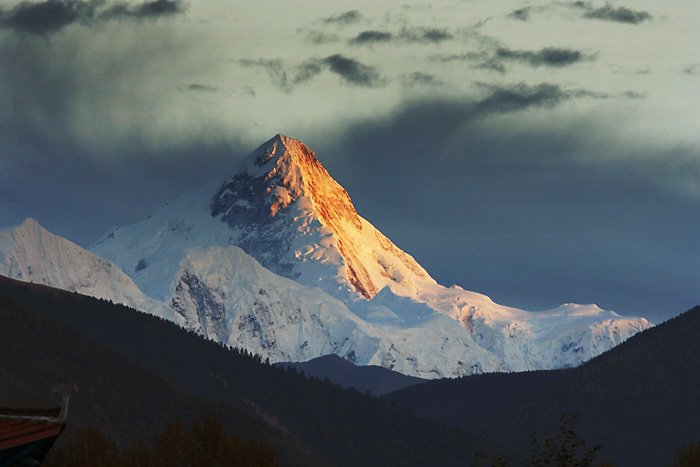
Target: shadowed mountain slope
pixel 639 400
pixel 376 380
pixel 135 369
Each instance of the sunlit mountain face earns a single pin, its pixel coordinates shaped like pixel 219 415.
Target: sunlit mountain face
pixel 276 260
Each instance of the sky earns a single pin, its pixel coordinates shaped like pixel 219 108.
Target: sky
pixel 538 152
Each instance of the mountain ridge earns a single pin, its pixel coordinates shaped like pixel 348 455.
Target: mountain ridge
pixel 308 422
pixel 293 229
pixel 375 380
pixel 31 253
pixel 638 400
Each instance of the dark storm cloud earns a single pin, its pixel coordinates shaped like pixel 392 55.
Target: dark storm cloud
pixel 82 188
pixel 348 17
pixel 53 15
pixel 145 10
pixel 351 71
pixel 83 153
pixel 608 12
pixel 562 207
pixel 409 35
pixel 48 16
pixel 87 138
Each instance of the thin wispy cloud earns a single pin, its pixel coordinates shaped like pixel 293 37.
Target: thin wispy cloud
pixel 522 96
pixel 496 59
pixel 407 35
pixel 425 35
pixel 607 12
pixel 351 71
pixel 522 14
pixel 418 78
pixel 371 37
pixel 315 36
pixel 548 56
pixel 345 18
pixel 198 87
pixel 692 69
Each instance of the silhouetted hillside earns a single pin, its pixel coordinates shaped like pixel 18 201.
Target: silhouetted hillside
pixel 116 395
pixel 640 400
pixel 135 371
pixel 376 380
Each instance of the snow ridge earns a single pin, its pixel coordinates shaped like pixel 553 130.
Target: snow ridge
pixel 31 253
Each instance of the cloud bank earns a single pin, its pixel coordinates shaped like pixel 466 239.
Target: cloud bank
pixel 51 16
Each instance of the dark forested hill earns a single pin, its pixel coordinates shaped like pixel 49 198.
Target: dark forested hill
pixel 376 380
pixel 135 371
pixel 639 401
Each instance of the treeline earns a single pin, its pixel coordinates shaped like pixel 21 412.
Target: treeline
pixel 203 444
pixel 567 448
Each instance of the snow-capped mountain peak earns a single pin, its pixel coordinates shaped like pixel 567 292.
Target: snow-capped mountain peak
pixel 290 171
pixel 299 222
pixel 283 209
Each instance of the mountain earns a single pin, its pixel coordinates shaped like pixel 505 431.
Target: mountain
pixel 373 379
pixel 226 295
pixel 31 253
pixel 135 371
pixel 639 400
pixel 282 208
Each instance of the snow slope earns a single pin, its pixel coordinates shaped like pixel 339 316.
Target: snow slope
pixel 283 208
pixel 31 253
pixel 226 295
